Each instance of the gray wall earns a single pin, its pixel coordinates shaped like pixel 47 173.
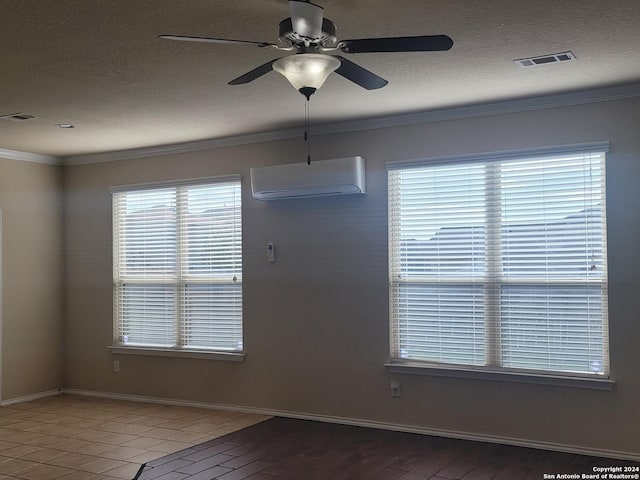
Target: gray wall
pixel 316 321
pixel 32 276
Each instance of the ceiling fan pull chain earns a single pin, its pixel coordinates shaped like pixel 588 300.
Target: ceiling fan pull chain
pixel 307 131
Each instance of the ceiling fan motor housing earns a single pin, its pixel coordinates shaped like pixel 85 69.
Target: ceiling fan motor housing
pixel 290 38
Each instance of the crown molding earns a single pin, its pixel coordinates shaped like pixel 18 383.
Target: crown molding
pixel 602 94
pixel 30 157
pixel 177 148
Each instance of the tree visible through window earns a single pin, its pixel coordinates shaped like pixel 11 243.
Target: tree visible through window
pixel 500 263
pixel 178 266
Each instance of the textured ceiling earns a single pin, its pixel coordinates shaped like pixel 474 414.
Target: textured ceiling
pixel 100 66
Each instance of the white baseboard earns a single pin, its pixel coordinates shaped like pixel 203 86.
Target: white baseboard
pixel 29 398
pixel 370 424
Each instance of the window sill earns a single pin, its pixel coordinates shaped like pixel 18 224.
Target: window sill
pixel 502 376
pixel 170 352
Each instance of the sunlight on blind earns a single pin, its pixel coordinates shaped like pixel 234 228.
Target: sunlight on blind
pixel 500 263
pixel 178 266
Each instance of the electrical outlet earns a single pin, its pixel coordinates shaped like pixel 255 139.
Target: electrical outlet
pixel 395 388
pixel 116 366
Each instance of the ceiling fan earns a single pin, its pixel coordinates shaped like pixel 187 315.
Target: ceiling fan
pixel 313 40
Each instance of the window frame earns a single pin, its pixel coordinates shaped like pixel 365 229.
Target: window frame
pixel 492 370
pixel 180 282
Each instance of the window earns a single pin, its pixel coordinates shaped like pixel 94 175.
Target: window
pixel 499 264
pixel 178 266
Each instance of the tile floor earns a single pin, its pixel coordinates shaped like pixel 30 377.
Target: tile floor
pixel 70 437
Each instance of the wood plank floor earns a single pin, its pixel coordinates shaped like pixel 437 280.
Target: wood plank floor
pixel 287 449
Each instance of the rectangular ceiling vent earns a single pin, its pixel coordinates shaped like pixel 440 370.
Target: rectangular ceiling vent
pixel 18 117
pixel 545 59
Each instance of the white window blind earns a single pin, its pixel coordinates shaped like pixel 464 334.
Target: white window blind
pixel 500 264
pixel 178 266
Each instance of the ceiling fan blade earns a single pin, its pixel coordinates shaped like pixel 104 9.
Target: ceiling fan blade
pixel 182 38
pixel 306 18
pixel 253 74
pixel 359 75
pixel 426 43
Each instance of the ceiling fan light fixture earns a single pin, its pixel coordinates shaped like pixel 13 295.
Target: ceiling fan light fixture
pixel 306 72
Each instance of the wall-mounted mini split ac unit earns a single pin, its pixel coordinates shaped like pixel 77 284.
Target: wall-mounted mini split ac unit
pixel 342 176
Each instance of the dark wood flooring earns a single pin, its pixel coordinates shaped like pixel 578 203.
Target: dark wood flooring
pixel 287 449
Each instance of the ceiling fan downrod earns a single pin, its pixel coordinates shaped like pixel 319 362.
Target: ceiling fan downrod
pixel 307 124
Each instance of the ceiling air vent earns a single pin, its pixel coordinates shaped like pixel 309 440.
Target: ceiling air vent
pixel 18 117
pixel 545 59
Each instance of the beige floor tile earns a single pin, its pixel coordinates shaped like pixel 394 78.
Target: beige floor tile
pixel 219 418
pixel 23 437
pixel 25 425
pixel 46 417
pixel 143 442
pixel 83 438
pixel 169 446
pixel 122 453
pixel 71 445
pixel 71 460
pixel 47 441
pixel 185 419
pixel 117 438
pixel 14 466
pixel 177 424
pixel 224 415
pixel 42 455
pixel 6 432
pixel 100 465
pixel 89 435
pixel 6 421
pixel 48 408
pixel 4 411
pixel 127 471
pixel 82 422
pixel 223 430
pixel 53 429
pixel 101 402
pixel 79 475
pixel 96 449
pixel 217 434
pixel 243 422
pixel 147 457
pixel 128 428
pixel 148 410
pixel 66 420
pixel 36 404
pixel 162 433
pixel 188 437
pixel 43 472
pixel 18 414
pixel 202 427
pixel 19 451
pixel 140 420
pixel 4 445
pixel 91 414
pixel 171 434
